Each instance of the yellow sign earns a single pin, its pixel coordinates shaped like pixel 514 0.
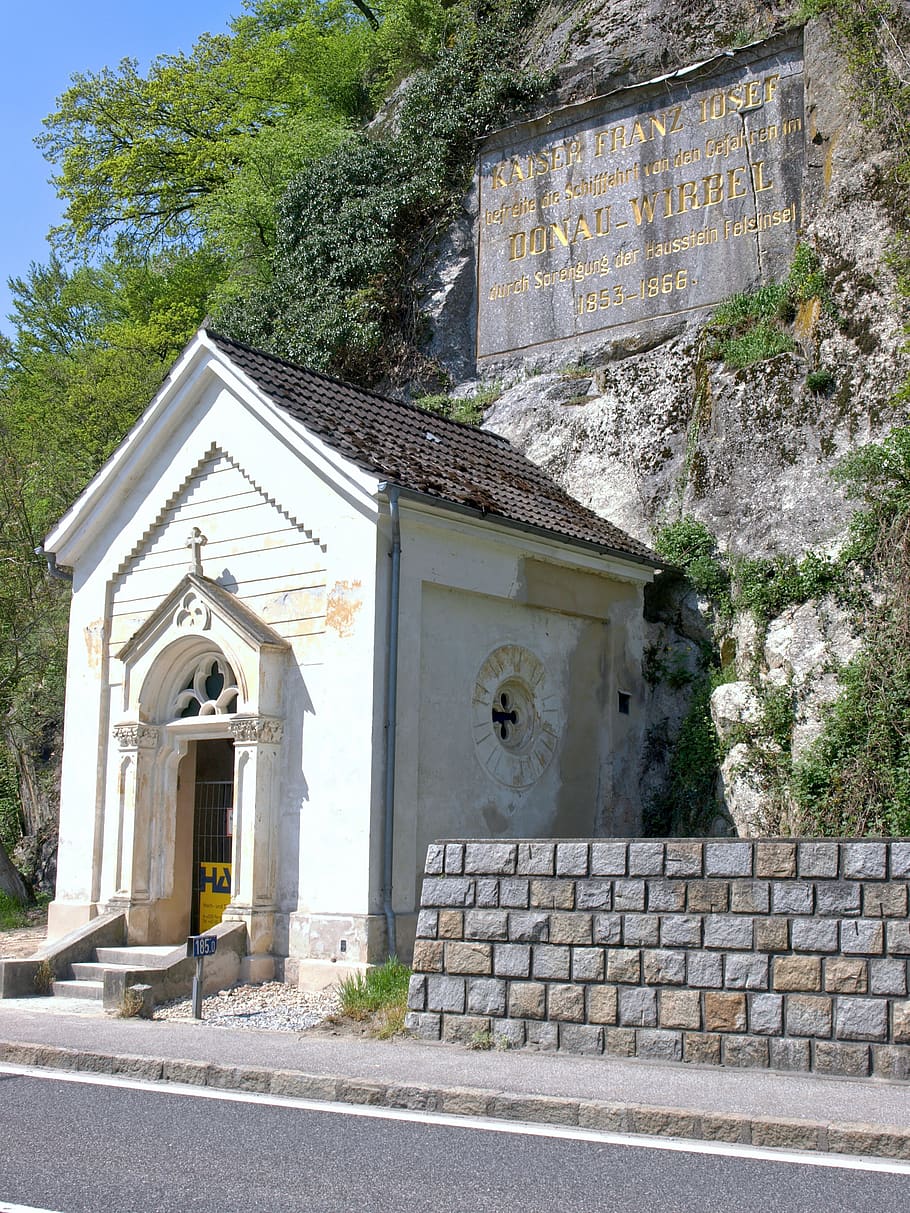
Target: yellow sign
pixel 214 893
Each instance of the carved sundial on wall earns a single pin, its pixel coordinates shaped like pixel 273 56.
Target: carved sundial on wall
pixel 516 719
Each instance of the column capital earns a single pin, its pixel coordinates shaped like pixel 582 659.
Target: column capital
pixel 136 736
pixel 256 730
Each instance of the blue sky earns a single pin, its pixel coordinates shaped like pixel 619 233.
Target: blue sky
pixel 42 45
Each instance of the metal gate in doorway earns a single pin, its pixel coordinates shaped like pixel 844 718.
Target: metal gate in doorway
pixel 213 828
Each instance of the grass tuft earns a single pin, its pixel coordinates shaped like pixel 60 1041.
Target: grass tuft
pixel 381 994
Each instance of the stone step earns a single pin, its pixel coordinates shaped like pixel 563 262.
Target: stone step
pixel 93 970
pixel 148 957
pixel 79 989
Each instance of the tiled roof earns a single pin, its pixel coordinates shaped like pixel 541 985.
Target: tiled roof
pixel 426 453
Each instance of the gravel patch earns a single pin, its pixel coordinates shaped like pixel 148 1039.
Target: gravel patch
pixel 271 1006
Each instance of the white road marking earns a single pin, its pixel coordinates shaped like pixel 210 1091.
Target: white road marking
pixel 805 1158
pixel 5 1208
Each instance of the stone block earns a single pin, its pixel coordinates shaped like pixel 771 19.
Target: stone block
pixel 861 1019
pixel 641 930
pixel 572 928
pixel 551 962
pixel 791 1055
pixel 888 977
pixel 527 1000
pixel 772 934
pixel 619 1042
pixel 708 897
pixel 664 967
pixel 818 860
pixel 865 936
pixel 898 938
pixel 566 1002
pixel 536 859
pixel 544 1037
pixel 427 924
pixel 552 894
pixel 750 896
pixel 780 1134
pixel 865 860
pixel 435 860
pixel 680 1009
pixel 425 1026
pixel 701 1048
pixel 666 896
pixel 891 1061
pixel 490 858
pixel 529 927
pixel 607 929
pixel 885 900
pixel 746 971
pixel 766 1014
pixel 624 966
pixel 486 996
pixel 465 1029
pixel 588 964
pixel 850 1060
pixel 846 976
pixel 608 858
pixel 797 973
pixel 454 861
pixel 571 859
pixel 602 1004
pixel 684 859
pixel 445 994
pixel 808 1015
pixel 814 934
pixel 728 931
pixel 417 992
pixel 680 931
pixel 724 1012
pixel 900 1017
pixel 900 860
pixel 581 1038
pixel 791 897
pixel 512 960
pixel 447 891
pixel 486 924
pixel 646 858
pixel 594 894
pixel 746 1051
pixel 775 860
pixel 451 924
pixel 705 970
pixel 728 858
pixel 486 892
pixel 657 1045
pixel 629 895
pixel 838 897
pixel 514 893
pixel 473 958
pixel 509 1033
pixel 427 957
pixel 638 1007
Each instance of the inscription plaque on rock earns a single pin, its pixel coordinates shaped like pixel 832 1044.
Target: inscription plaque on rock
pixel 648 203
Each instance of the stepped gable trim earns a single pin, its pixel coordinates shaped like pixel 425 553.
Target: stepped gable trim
pixel 428 455
pixel 214 452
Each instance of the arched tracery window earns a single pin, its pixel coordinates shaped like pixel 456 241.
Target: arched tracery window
pixel 210 691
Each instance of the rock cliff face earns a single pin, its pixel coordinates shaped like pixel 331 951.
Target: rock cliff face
pixel 648 426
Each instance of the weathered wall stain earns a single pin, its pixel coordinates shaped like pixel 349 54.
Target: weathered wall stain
pixel 342 606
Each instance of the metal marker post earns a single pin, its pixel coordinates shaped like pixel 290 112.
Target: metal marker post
pixel 200 946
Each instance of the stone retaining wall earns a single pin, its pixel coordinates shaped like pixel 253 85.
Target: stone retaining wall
pixel 774 953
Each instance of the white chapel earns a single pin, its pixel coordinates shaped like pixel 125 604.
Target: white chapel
pixel 312 631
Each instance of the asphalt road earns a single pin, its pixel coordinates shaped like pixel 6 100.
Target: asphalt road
pixel 78 1147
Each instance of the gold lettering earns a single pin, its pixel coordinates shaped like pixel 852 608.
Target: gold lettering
pixel 687 197
pixel 733 181
pixel 758 178
pixel 714 189
pixel 643 208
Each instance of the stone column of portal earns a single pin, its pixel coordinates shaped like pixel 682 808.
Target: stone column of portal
pixel 138 744
pixel 257 745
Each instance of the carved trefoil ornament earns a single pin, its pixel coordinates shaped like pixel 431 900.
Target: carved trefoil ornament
pixel 193 612
pixel 516 720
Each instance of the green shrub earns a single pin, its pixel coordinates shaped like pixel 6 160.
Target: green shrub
pixel 12 914
pixel 467 409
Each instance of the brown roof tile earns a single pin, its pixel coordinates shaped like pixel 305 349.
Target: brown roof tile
pixel 426 453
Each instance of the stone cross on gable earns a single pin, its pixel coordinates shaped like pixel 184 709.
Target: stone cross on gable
pixel 195 543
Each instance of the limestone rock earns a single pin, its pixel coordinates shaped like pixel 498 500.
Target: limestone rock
pixel 734 704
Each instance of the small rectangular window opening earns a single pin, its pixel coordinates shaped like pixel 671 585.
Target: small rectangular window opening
pixel 625 703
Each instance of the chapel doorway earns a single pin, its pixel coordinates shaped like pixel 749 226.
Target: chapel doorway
pixel 213 830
